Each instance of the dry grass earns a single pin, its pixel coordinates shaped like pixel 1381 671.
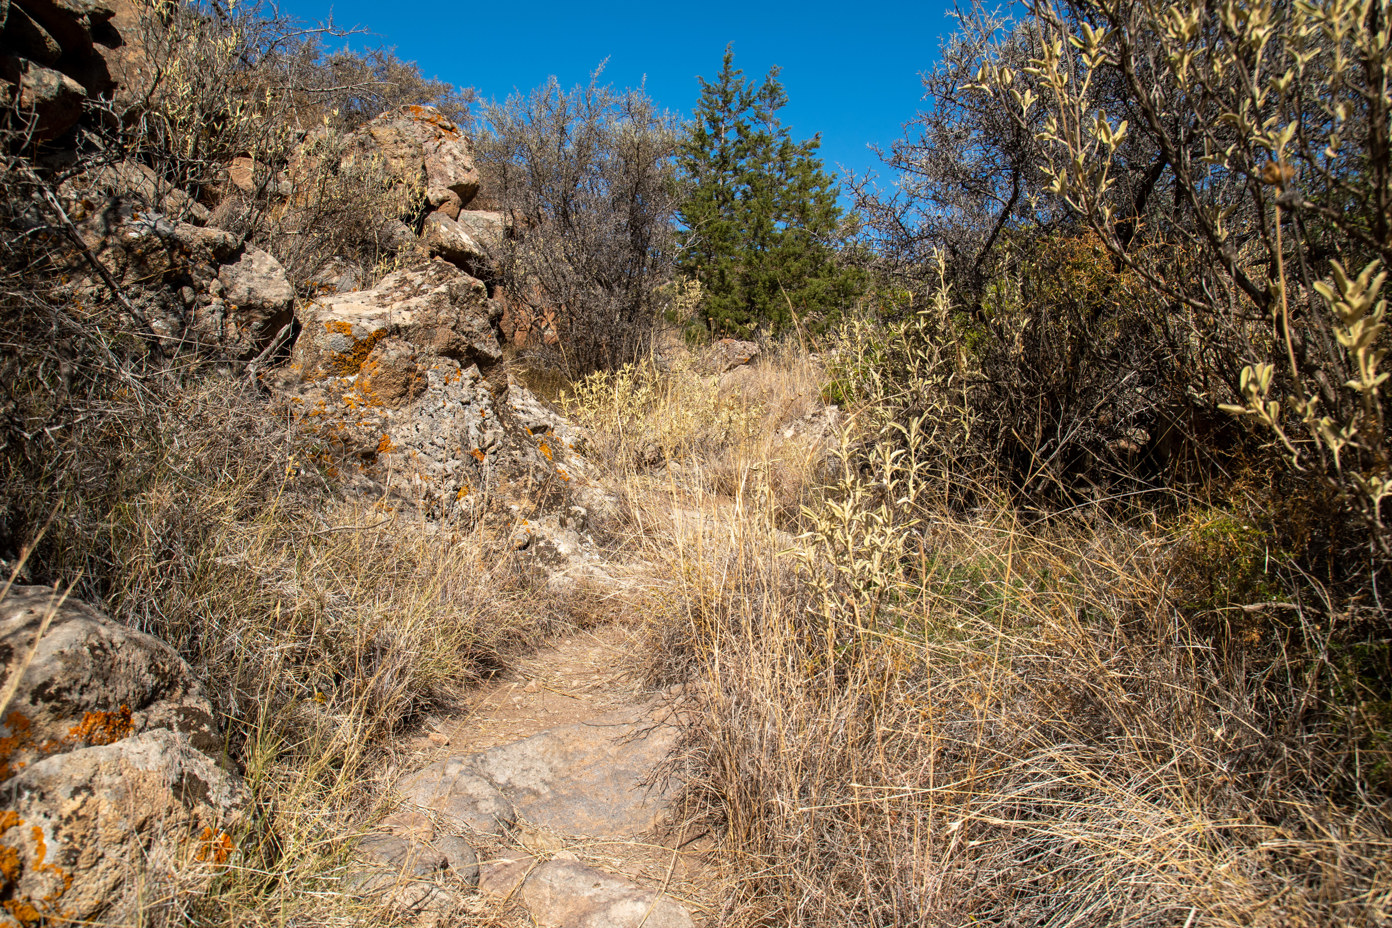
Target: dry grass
pixel 323 624
pixel 950 717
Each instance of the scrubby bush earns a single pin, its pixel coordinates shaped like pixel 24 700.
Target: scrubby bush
pixel 587 178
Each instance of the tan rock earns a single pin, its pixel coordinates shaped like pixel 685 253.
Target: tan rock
pixel 448 239
pixel 425 149
pixel 91 682
pixel 566 894
pixel 86 833
pixel 391 375
pixel 437 309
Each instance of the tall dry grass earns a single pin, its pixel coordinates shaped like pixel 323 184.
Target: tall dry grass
pixel 915 713
pixel 324 623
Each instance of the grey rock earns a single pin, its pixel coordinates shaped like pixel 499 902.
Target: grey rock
pixel 454 790
pixel 462 858
pixel 260 299
pixel 447 239
pixel 567 894
pixel 91 682
pixel 585 779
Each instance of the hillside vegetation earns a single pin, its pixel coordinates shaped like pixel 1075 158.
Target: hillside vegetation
pixel 1030 575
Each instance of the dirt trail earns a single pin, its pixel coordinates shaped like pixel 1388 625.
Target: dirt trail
pixel 575 745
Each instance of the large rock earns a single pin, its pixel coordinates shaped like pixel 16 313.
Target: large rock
pixel 87 833
pixel 486 227
pixel 259 299
pixel 91 682
pixel 567 894
pixel 108 784
pixel 437 308
pixel 423 147
pixel 448 239
pixel 49 101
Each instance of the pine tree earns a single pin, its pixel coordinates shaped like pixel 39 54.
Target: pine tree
pixel 760 220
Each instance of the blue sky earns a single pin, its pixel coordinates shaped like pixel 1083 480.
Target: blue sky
pixel 850 70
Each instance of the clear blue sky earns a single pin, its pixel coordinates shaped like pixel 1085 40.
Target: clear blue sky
pixel 850 69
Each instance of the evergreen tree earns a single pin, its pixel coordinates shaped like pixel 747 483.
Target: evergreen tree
pixel 760 220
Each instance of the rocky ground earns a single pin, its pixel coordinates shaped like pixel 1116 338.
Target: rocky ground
pixel 556 780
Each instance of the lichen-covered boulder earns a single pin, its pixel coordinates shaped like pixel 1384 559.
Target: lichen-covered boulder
pixel 425 148
pixel 437 308
pixel 110 787
pixel 90 682
pixel 90 832
pixel 258 297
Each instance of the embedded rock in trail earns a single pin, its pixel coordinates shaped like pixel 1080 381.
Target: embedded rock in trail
pixel 566 894
pixel 451 788
pixel 107 778
pixel 588 779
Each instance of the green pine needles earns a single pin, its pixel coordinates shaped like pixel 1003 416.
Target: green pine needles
pixel 760 222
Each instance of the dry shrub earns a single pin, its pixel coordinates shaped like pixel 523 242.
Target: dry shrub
pixel 1027 733
pixel 919 712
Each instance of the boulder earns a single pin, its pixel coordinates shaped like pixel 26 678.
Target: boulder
pixel 90 832
pixel 91 682
pixel 437 308
pixel 487 227
pixel 728 354
pixel 259 300
pixel 459 793
pixel 567 894
pixel 448 239
pixel 108 783
pixel 424 148
pixel 50 100
pixel 27 39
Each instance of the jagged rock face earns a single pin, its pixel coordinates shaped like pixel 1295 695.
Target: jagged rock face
pixel 424 148
pixel 107 774
pixel 52 57
pixel 192 283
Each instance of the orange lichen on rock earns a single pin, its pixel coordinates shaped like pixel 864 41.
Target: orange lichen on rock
pixel 101 728
pixel 214 847
pixel 347 363
pixel 545 450
pixel 478 455
pixel 24 910
pixel 385 445
pixel 433 117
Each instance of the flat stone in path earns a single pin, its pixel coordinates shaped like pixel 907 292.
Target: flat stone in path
pixel 590 778
pixel 567 894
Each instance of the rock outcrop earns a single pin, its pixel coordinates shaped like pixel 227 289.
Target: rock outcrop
pixel 108 776
pixel 52 59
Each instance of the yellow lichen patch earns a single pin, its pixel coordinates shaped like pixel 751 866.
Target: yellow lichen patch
pixel 545 449
pixel 100 728
pixel 463 492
